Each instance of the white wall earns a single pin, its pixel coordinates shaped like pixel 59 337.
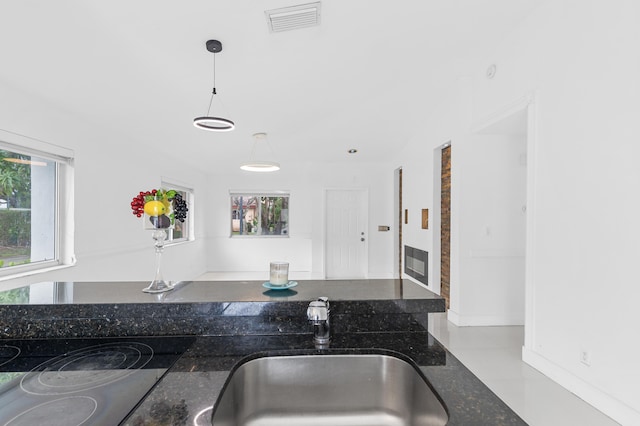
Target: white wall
pixel 110 243
pixel 304 248
pixel 491 192
pixel 449 122
pixel 487 223
pixel 578 56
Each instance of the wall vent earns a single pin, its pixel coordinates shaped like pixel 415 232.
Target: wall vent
pixel 293 17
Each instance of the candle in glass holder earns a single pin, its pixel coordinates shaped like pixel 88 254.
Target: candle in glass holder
pixel 279 273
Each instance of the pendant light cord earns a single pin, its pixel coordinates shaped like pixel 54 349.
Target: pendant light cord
pixel 213 92
pixel 254 148
pixel 208 122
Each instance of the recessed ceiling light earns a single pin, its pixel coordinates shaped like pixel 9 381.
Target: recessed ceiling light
pixel 352 151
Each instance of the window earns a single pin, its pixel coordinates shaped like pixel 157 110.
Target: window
pixel 182 231
pixel 260 214
pixel 35 184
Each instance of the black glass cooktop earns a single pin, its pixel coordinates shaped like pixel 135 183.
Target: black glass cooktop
pixel 81 381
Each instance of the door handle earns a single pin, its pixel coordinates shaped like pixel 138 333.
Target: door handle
pixel 362 239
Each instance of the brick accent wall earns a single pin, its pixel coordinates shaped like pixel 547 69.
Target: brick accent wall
pixel 400 266
pixel 445 224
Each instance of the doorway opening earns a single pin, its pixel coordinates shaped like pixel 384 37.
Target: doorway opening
pixel 496 200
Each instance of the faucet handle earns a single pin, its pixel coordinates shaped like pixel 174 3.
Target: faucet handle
pixel 317 311
pixel 325 300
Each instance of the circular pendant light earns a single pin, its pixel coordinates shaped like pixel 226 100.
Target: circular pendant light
pixel 214 124
pixel 260 166
pixel 254 165
pixel 209 122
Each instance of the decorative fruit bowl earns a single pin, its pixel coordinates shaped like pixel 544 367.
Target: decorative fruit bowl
pixel 160 209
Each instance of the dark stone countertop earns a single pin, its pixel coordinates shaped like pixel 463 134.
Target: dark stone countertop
pixel 110 309
pixel 188 391
pixel 130 292
pixel 234 319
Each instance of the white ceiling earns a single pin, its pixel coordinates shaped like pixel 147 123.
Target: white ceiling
pixel 363 79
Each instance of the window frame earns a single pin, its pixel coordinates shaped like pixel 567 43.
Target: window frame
pixel 167 183
pixel 258 194
pixel 64 202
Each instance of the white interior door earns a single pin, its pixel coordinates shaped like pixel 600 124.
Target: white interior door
pixel 346 237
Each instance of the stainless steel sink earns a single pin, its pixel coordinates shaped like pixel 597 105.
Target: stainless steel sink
pixel 321 390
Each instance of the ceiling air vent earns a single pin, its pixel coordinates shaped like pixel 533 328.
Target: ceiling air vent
pixel 294 17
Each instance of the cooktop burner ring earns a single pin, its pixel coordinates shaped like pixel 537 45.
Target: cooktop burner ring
pixel 86 368
pixel 8 353
pixel 66 411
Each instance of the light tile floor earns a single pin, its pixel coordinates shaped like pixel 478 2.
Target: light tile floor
pixel 493 354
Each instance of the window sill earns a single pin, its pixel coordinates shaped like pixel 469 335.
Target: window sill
pixel 22 274
pixel 259 236
pixel 178 243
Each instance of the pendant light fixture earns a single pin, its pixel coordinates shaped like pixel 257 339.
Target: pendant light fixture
pixel 256 165
pixel 208 122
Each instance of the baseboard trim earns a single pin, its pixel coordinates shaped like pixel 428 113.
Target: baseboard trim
pixel 479 320
pixel 617 410
pixel 381 276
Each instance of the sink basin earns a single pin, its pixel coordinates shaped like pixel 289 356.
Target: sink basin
pixel 331 389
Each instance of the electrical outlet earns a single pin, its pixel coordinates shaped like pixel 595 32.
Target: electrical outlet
pixel 585 357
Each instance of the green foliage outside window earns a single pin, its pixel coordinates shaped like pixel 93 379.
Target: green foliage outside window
pixel 15 203
pixel 15 180
pixel 259 215
pixel 17 296
pixel 16 230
